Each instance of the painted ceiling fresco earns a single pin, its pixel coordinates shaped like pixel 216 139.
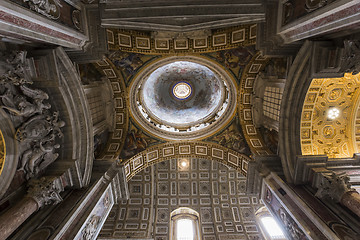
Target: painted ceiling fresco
pixel 158 97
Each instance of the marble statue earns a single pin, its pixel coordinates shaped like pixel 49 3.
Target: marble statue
pixel 37 127
pixel 90 228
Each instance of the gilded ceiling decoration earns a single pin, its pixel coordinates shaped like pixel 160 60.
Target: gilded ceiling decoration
pixel 329 120
pixel 143 42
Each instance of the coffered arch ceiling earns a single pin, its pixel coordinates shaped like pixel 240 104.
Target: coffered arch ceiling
pixel 217 192
pixel 330 117
pixel 185 150
pixel 132 52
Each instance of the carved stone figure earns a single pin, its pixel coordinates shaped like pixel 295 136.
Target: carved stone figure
pixel 294 232
pixel 38 157
pixel 26 108
pixel 334 186
pixel 12 68
pixel 311 5
pixel 37 127
pixel 45 191
pixel 350 61
pixel 48 8
pixel 90 228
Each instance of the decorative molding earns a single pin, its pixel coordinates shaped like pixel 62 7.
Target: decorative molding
pixel 334 137
pixel 25 25
pixel 340 15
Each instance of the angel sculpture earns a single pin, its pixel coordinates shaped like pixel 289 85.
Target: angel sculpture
pixel 56 124
pixel 23 107
pixel 12 69
pixel 50 9
pixel 38 157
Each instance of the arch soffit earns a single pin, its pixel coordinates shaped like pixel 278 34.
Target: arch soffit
pixel 296 86
pixel 121 117
pixel 185 149
pixel 252 136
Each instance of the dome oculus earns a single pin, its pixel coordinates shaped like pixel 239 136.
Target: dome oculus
pixel 182 90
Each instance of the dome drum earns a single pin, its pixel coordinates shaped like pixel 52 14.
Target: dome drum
pixel 182 98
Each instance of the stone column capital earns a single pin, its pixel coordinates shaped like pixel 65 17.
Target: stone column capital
pixel 334 185
pixel 45 190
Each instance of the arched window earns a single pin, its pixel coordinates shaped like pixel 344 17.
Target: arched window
pixel 269 226
pixel 184 224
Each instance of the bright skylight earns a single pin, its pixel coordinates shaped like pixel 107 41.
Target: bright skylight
pixel 333 113
pixel 272 228
pixel 184 229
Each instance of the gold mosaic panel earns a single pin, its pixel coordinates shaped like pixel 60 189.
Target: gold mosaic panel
pixel 336 138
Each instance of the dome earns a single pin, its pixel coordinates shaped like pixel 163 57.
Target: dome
pixel 182 98
pixel 182 94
